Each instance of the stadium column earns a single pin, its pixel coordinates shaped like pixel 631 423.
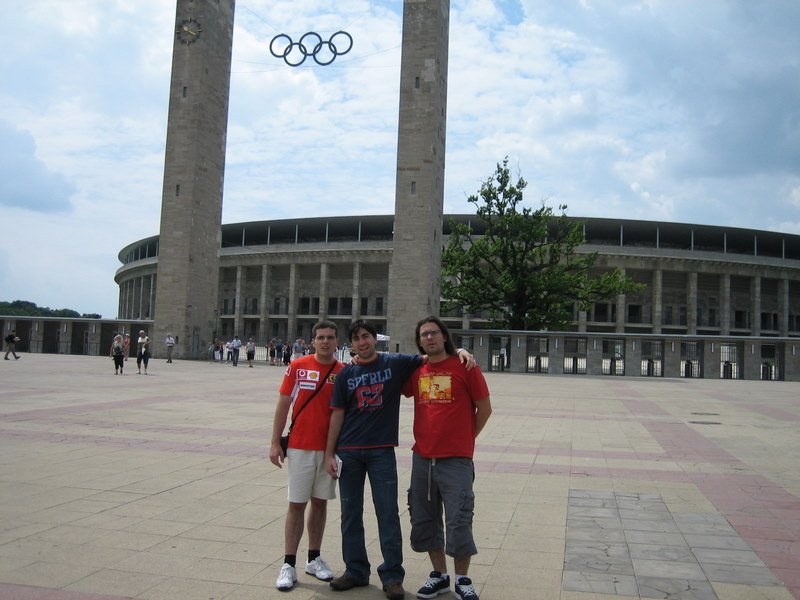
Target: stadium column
pixel 237 304
pixel 324 277
pixel 783 307
pixel 691 303
pixel 657 300
pixel 262 305
pixel 291 309
pixel 755 303
pixel 419 190
pixel 194 167
pixel 355 313
pixel 725 301
pixel 621 311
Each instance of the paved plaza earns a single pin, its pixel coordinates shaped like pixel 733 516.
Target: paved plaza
pixel 158 487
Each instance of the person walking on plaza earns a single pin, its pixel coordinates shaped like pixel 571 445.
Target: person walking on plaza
pixel 126 343
pixel 451 407
pixel 298 349
pixel 287 354
pixel 278 353
pixel 271 351
pixel 169 342
pixel 118 354
pixel 308 382
pixel 250 348
pixel 236 345
pixel 142 351
pixel 11 344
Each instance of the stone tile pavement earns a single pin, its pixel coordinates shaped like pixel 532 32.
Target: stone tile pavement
pixel 158 487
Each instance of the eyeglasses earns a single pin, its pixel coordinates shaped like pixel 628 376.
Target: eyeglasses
pixel 429 334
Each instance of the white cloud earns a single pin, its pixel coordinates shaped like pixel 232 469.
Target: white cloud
pixel 25 181
pixel 672 110
pixel 794 196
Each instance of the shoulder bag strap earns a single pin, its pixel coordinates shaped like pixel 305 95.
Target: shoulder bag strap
pixel 311 397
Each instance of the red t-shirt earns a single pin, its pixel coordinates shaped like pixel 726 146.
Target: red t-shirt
pixel 445 394
pixel 302 376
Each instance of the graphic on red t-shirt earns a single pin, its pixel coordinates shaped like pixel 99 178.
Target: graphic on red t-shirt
pixel 435 389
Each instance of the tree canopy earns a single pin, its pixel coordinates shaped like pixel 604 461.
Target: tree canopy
pixel 522 268
pixel 25 308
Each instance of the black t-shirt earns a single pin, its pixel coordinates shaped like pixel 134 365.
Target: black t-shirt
pixel 10 338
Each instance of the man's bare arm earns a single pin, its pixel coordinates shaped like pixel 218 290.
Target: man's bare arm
pixel 483 410
pixel 276 455
pixel 335 428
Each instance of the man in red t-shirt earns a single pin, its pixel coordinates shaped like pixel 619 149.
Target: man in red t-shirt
pixel 451 406
pixel 308 381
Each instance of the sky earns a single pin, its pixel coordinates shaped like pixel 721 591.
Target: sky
pixel 673 110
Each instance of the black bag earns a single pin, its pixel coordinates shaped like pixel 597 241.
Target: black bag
pixel 285 443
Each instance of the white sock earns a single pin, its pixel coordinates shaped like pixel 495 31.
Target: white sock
pixel 459 577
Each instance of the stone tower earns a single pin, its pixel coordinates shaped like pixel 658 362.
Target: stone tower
pixel 419 191
pixel 194 168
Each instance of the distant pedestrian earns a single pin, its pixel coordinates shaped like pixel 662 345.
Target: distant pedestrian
pixel 298 349
pixel 11 344
pixel 271 351
pixel 250 348
pixel 169 342
pixel 236 344
pixel 126 343
pixel 142 351
pixel 118 354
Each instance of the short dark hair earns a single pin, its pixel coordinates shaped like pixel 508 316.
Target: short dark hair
pixel 449 347
pixel 361 324
pixel 323 324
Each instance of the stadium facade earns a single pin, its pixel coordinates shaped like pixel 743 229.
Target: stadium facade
pixel 718 302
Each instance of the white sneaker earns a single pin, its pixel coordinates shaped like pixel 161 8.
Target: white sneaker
pixel 286 578
pixel 319 569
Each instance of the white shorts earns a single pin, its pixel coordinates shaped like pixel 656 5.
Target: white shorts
pixel 308 477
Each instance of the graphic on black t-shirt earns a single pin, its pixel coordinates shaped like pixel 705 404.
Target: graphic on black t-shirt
pixel 370 397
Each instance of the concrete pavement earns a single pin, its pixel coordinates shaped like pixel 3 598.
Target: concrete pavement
pixel 158 487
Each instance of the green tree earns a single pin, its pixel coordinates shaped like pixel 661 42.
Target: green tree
pixel 25 308
pixel 523 269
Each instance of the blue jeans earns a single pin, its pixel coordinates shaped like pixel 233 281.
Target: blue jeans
pixel 381 466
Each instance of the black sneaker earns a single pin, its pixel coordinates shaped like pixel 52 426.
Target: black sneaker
pixel 435 585
pixel 464 590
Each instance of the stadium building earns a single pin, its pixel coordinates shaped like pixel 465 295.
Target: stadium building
pixel 718 303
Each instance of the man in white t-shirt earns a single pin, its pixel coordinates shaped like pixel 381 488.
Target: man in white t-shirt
pixel 236 344
pixel 169 342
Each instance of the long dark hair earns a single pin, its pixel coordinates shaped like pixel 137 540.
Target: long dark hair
pixel 449 347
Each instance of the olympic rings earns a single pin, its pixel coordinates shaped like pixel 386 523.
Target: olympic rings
pixel 294 54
